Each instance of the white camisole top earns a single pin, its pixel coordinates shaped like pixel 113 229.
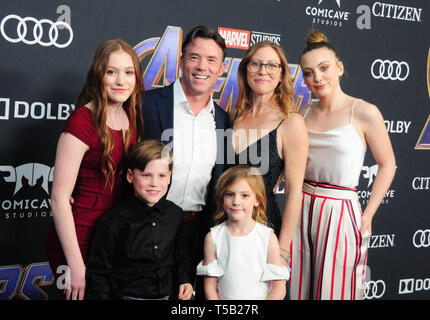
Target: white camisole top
pixel 335 156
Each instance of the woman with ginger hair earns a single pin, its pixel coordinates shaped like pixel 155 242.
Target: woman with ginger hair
pixel 90 156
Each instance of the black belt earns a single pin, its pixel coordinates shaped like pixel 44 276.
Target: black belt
pixel 190 216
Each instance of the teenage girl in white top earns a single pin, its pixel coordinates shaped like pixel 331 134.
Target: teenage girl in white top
pixel 241 255
pixel 329 248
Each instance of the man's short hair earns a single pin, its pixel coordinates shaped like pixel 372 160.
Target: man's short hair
pixel 205 33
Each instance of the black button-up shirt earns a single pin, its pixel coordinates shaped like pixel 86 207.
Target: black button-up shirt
pixel 138 251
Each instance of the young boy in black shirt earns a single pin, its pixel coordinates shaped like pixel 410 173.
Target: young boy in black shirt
pixel 138 250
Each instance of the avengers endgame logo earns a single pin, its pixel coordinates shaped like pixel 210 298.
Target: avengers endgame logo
pixel 160 61
pixel 423 142
pixel 28 187
pixel 25 283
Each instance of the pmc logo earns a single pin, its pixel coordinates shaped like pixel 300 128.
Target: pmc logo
pixel 421 238
pixel 389 70
pixel 32 31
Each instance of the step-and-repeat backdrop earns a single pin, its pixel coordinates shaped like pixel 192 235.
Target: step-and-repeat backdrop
pixel 46 48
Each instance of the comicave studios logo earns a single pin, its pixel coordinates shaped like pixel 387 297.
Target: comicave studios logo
pixel 30 196
pixel 327 16
pixel 368 174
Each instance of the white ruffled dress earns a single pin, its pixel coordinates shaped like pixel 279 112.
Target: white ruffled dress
pixel 241 264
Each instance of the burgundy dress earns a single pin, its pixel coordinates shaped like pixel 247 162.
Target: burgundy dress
pixel 91 197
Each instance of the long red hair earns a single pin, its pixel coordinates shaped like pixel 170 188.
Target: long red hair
pixel 94 90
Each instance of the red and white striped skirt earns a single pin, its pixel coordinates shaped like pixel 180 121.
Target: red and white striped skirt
pixel 328 253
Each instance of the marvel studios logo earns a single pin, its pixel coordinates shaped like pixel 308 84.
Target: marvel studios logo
pixel 243 39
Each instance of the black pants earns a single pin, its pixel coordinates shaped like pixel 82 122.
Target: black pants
pixel 196 231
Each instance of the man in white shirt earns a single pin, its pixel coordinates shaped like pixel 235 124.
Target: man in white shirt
pixel 185 116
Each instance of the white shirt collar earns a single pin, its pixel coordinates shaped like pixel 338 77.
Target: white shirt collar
pixel 181 99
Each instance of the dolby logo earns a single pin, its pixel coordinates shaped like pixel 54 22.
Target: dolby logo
pixel 407 286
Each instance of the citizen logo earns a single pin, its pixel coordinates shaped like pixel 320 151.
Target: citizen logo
pixel 389 70
pixel 421 238
pixel 32 31
pixel 382 241
pixel 386 11
pixel 412 285
pixel 421 183
pixel 393 11
pixel 374 289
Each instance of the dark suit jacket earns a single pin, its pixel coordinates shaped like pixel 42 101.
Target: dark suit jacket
pixel 157 109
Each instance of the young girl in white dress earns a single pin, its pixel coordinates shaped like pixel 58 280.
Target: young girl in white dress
pixel 242 259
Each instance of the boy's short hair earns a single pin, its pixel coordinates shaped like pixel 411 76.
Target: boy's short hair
pixel 145 151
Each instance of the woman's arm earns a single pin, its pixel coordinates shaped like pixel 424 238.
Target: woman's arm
pixel 294 152
pixel 372 125
pixel 277 287
pixel 70 151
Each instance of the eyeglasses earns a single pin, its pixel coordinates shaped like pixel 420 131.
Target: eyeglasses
pixel 271 67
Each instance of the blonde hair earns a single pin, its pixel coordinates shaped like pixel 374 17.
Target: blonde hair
pixel 315 40
pixel 283 96
pixel 254 180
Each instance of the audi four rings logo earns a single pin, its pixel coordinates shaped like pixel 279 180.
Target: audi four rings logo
pixel 374 289
pixel 421 238
pixel 38 31
pixel 389 70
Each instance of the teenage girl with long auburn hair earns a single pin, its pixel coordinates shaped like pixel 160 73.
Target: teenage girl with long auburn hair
pixel 90 156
